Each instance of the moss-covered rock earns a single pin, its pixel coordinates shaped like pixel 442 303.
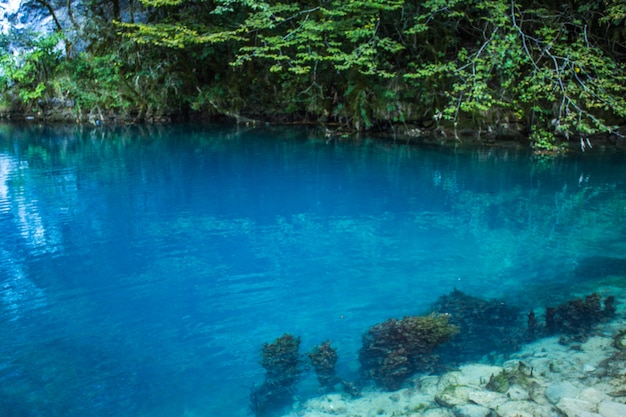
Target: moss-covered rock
pixel 395 349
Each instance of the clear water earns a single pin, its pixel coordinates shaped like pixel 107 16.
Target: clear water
pixel 142 269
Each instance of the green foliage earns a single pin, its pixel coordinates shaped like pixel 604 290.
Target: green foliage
pixel 557 70
pixel 24 78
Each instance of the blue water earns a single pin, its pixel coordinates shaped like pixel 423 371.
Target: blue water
pixel 142 269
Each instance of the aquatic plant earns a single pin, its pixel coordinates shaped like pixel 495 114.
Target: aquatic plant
pixel 577 317
pixel 518 376
pixel 324 358
pixel 282 363
pixel 532 325
pixel 619 340
pixel 484 326
pixel 395 349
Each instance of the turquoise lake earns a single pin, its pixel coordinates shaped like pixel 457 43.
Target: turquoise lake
pixel 143 268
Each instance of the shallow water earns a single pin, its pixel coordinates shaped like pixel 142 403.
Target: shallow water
pixel 142 269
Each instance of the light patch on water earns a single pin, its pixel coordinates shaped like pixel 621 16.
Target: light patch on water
pixel 17 293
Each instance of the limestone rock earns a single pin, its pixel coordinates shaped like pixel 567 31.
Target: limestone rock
pixel 471 410
pixel 517 393
pixel 453 395
pixel 572 407
pixel 438 412
pixel 476 374
pixel 593 395
pixel 612 409
pixel 523 409
pixel 489 399
pixel 559 390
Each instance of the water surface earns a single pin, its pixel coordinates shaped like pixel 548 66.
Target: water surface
pixel 142 269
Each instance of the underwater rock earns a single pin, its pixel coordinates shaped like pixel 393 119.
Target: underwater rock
pixel 475 374
pixel 487 399
pixel 438 412
pixel 572 407
pixel 471 410
pixel 556 391
pixel 522 409
pixel 612 409
pixel 395 349
pixel 453 395
pixel 593 395
pixel 484 327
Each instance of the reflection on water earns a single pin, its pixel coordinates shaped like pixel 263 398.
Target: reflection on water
pixel 142 268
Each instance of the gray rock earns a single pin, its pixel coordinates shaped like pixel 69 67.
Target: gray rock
pixel 477 374
pixel 487 399
pixel 572 407
pixel 438 412
pixel 559 390
pixel 517 393
pixel 471 410
pixel 453 395
pixel 612 409
pixel 593 395
pixel 523 409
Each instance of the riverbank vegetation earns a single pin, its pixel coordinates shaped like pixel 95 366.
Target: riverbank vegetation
pixel 552 71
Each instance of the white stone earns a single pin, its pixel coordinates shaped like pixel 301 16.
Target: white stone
pixel 572 407
pixel 471 410
pixel 438 412
pixel 488 399
pixel 612 409
pixel 559 390
pixel 522 409
pixel 593 395
pixel 453 395
pixel 476 374
pixel 517 393
pixel 588 368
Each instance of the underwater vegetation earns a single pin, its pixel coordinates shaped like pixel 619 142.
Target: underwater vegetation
pixel 484 326
pixel 576 318
pixel 459 329
pixel 396 349
pixel 504 380
pixel 324 358
pixel 283 367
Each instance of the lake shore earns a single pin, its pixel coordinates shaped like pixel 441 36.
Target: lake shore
pixel 546 378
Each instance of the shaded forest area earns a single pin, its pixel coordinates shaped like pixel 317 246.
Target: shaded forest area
pixel 551 71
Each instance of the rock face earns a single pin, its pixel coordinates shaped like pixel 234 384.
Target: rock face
pixel 28 15
pixel 45 16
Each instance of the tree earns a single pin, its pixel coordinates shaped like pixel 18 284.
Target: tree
pixel 555 68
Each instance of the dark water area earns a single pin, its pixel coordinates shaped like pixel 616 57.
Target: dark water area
pixel 142 269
